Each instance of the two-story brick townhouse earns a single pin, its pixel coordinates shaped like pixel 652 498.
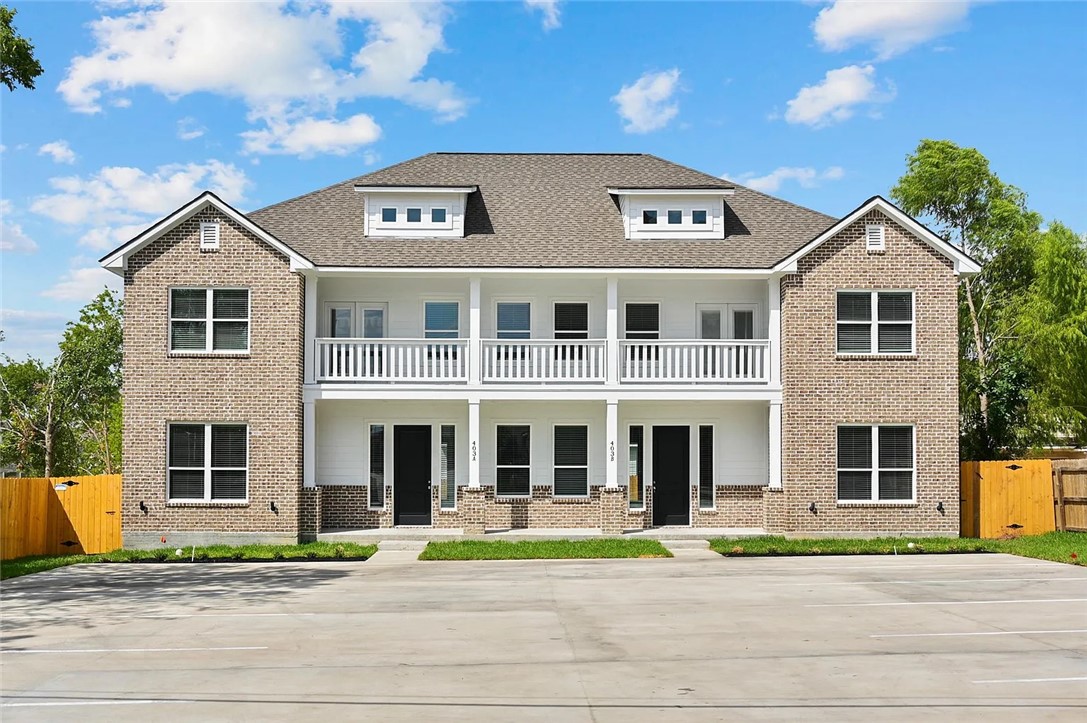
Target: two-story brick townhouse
pixel 603 342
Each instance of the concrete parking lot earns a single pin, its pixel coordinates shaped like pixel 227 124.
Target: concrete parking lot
pixel 839 638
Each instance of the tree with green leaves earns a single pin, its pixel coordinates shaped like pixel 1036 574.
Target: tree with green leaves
pixel 989 220
pixel 1053 326
pixel 65 417
pixel 17 62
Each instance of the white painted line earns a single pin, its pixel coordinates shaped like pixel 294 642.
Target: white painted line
pixel 891 564
pixel 1033 680
pixel 42 704
pixel 945 602
pixel 927 582
pixel 132 650
pixel 991 632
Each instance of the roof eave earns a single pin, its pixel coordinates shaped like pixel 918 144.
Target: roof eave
pixel 671 191
pixel 415 189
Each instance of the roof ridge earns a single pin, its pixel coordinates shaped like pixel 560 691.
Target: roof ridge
pixel 533 153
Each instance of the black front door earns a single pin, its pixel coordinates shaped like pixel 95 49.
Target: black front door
pixel 411 475
pixel 671 475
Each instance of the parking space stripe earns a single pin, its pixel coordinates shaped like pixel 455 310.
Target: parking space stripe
pixel 944 602
pixel 132 650
pixel 987 632
pixel 1034 680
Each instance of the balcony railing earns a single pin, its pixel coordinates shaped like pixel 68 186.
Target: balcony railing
pixel 692 362
pixel 544 360
pixel 392 360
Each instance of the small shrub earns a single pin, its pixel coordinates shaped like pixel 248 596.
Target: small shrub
pixel 340 552
pixel 737 550
pixel 816 551
pixel 311 554
pixel 278 555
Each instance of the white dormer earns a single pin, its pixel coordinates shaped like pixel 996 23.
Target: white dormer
pixel 682 213
pixel 414 211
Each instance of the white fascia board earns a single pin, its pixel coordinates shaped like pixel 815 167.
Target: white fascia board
pixel 963 263
pixel 416 189
pixel 540 393
pixel 117 261
pixel 548 271
pixel 672 191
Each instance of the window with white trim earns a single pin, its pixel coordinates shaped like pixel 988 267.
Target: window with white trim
pixel 203 320
pixel 888 331
pixel 388 215
pixel 376 486
pixel 705 466
pixel 635 467
pixel 571 320
pixel 513 459
pixel 448 470
pixel 571 460
pixel 642 321
pixel 876 463
pixel 414 214
pixel 514 320
pixel 441 320
pixel 675 217
pixel 207 462
pixel 698 217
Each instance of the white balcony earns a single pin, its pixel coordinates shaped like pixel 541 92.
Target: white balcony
pixel 700 361
pixel 392 360
pixel 544 361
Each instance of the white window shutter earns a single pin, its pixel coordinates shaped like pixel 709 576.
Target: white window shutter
pixel 873 236
pixel 209 237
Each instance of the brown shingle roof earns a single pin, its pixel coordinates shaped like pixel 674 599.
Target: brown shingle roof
pixel 540 210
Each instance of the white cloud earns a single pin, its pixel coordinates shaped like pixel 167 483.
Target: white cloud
pixel 296 69
pixel 83 283
pixel 644 105
pixel 549 9
pixel 32 333
pixel 307 137
pixel 189 128
pixel 103 238
pixel 12 237
pixel 59 150
pixel 891 27
pixel 836 97
pixel 120 193
pixel 806 176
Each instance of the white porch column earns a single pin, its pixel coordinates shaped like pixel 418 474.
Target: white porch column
pixel 612 336
pixel 475 348
pixel 309 444
pixel 773 303
pixel 612 451
pixel 309 330
pixel 473 443
pixel 775 445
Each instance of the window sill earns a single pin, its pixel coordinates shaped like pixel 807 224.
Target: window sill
pixel 881 503
pixel 876 357
pixel 447 510
pixel 209 354
pixel 571 500
pixel 636 510
pixel 207 503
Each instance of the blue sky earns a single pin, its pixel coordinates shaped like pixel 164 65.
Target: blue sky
pixel 142 106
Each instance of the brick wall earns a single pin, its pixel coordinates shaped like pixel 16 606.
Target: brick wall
pixel 262 389
pixel 734 506
pixel 822 390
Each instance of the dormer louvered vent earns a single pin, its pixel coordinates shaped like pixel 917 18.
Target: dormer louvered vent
pixel 209 237
pixel 874 237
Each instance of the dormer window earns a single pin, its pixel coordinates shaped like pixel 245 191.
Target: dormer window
pixel 649 217
pixel 415 211
pixel 415 215
pixel 675 217
pixel 437 215
pixel 698 218
pixel 388 215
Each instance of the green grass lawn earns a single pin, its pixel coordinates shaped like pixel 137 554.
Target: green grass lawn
pixel 1070 547
pixel 307 551
pixel 542 549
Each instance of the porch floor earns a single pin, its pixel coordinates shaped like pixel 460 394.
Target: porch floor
pixel 375 534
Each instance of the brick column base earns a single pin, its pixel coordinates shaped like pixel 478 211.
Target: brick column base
pixel 613 502
pixel 472 503
pixel 309 513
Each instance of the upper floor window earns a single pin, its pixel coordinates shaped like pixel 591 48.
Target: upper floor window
pixel 649 217
pixel 875 463
pixel 441 320
pixel 415 215
pixel 207 462
pixel 388 215
pixel 643 321
pixel 514 320
pixel 698 217
pixel 437 215
pixel 203 320
pixel 675 217
pixel 889 330
pixel 571 320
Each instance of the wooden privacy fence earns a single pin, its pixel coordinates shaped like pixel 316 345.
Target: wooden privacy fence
pixel 59 515
pixel 1009 497
pixel 1070 495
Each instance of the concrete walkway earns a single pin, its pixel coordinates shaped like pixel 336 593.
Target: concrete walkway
pixel 375 535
